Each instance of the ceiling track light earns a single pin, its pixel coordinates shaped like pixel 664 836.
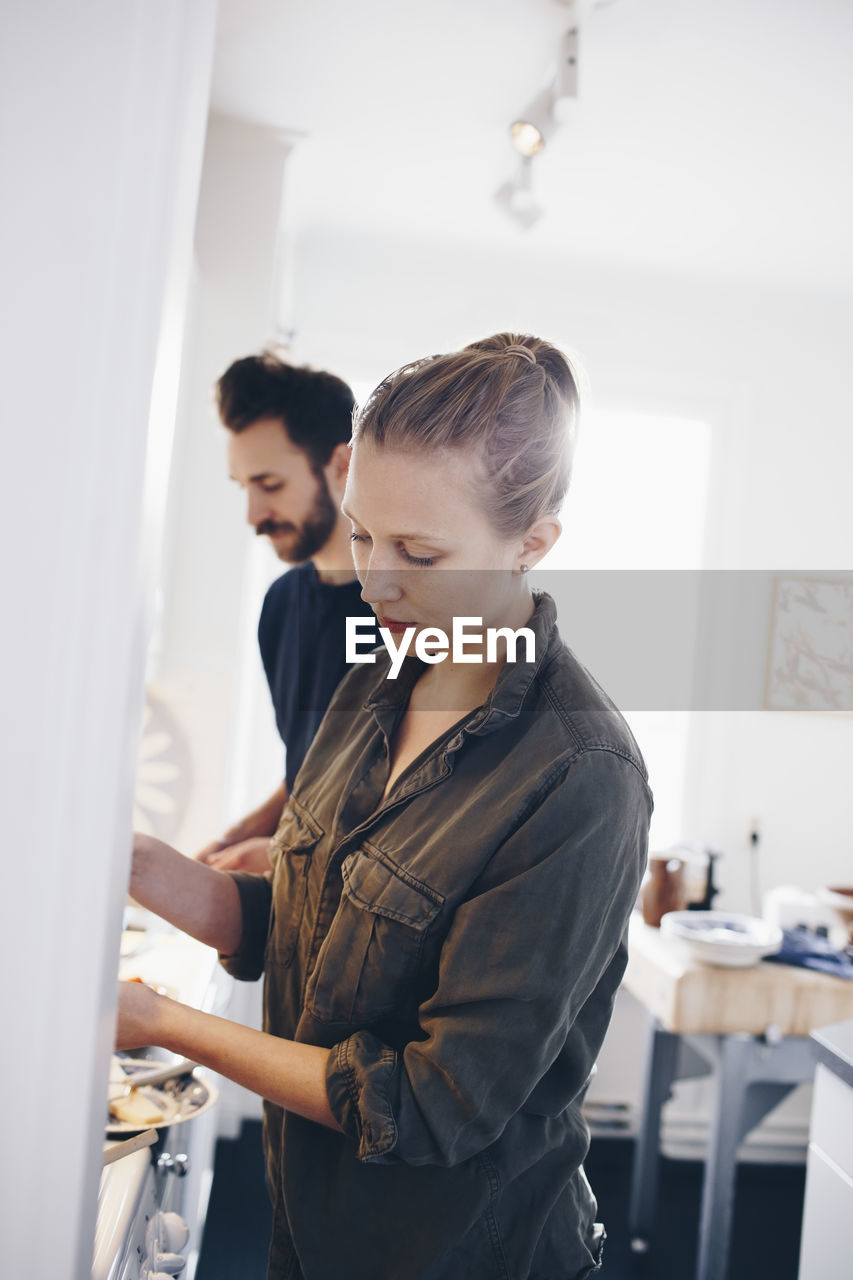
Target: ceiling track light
pixel 532 128
pixel 516 196
pixel 542 117
pixel 566 75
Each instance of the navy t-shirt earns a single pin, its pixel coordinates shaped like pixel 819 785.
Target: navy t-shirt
pixel 302 637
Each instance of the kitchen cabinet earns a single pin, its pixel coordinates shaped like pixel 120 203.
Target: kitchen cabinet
pixel 827 1241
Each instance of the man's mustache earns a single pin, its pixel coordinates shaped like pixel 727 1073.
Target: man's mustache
pixel 268 527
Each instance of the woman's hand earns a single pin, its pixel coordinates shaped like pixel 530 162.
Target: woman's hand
pixel 289 1074
pixel 138 1015
pixel 201 901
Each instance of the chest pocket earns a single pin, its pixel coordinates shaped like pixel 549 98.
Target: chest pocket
pixel 369 958
pixel 290 854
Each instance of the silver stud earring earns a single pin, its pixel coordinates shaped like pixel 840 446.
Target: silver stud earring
pixel 525 568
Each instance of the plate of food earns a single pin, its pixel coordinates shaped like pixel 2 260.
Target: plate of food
pixel 135 1105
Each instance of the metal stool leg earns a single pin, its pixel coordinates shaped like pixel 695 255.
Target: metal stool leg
pixel 661 1064
pixel 742 1098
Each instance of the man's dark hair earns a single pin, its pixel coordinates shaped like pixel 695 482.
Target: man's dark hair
pixel 314 408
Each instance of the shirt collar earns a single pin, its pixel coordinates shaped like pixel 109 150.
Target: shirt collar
pixel 506 698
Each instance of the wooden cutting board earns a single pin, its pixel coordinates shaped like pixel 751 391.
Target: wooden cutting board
pixel 689 997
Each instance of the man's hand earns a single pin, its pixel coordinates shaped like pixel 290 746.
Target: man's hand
pixel 248 855
pixel 210 850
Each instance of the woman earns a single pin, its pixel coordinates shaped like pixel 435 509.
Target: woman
pixel 443 931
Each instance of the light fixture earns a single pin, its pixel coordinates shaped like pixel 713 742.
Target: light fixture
pixel 540 119
pixel 516 196
pixel 534 125
pixel 565 89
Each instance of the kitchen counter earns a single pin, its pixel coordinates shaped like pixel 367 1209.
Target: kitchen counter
pixel 833 1047
pixel 182 968
pixel 173 1177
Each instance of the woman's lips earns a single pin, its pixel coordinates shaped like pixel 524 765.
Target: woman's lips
pixel 392 625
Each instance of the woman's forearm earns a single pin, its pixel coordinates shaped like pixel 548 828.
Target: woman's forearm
pixel 199 900
pixel 289 1074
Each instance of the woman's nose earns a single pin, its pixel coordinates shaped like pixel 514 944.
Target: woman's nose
pixel 380 586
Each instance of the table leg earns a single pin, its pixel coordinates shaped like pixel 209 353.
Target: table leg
pixel 741 1100
pixel 661 1065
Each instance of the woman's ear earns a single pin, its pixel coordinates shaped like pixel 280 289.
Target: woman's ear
pixel 539 540
pixel 336 469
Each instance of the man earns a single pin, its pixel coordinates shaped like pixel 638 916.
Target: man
pixel 288 449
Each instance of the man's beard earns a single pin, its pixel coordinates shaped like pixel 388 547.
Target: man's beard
pixel 314 532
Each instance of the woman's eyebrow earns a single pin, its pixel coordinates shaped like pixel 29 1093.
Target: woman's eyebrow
pixel 410 536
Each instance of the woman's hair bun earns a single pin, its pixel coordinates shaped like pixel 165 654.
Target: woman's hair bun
pixel 518 414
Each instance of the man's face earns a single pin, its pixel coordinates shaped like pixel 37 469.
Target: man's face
pixel 287 501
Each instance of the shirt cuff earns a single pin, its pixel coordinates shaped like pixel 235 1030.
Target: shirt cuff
pixel 247 962
pixel 360 1079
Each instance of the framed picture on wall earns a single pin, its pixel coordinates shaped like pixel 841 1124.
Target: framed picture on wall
pixel 810 666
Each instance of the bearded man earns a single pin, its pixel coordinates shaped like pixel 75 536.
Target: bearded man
pixel 289 429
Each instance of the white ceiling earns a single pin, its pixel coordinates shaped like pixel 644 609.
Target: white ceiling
pixel 711 135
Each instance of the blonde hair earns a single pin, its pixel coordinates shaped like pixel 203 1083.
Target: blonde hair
pixel 512 398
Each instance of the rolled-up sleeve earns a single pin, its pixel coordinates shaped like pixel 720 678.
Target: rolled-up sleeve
pixel 526 978
pixel 247 962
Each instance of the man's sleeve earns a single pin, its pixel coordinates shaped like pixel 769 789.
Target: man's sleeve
pixel 523 955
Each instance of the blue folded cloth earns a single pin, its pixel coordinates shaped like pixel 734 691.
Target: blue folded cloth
pixel 812 951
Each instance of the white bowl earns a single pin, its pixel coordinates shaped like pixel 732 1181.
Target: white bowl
pixel 723 937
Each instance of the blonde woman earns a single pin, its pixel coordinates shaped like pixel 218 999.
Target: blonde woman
pixel 443 930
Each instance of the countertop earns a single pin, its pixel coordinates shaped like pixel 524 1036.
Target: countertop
pixel 181 967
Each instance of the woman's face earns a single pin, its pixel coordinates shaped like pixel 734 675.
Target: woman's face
pixel 415 513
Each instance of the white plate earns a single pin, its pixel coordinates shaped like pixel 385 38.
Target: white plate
pixel 180 1099
pixel 723 937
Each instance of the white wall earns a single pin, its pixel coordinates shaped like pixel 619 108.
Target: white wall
pixel 209 613
pixel 104 109
pixel 767 368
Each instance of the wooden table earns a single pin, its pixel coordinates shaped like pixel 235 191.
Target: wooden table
pixel 746 1027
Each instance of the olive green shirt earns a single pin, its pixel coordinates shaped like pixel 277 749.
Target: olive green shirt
pixel 457 947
